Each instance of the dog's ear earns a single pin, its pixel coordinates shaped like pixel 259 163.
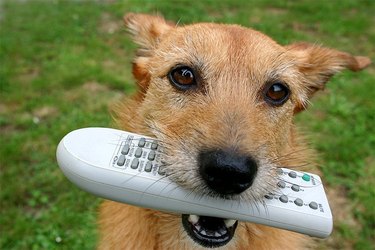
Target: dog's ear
pixel 147 31
pixel 318 64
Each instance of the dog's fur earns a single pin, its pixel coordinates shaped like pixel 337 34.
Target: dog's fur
pixel 226 110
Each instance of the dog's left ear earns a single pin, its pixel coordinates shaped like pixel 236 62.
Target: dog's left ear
pixel 147 31
pixel 318 64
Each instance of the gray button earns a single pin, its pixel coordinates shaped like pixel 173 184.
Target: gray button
pixel 138 153
pixel 161 171
pixel 269 196
pixel 121 160
pixel 125 149
pixel 148 166
pixel 313 205
pixel 135 163
pixel 298 202
pixel 292 174
pixel 283 198
pixel 279 171
pixel 295 187
pixel 142 142
pixel 151 155
pixel 154 145
pixel 281 184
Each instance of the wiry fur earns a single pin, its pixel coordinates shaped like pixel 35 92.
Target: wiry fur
pixel 226 110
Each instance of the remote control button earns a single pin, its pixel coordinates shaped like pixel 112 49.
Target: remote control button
pixel 279 171
pixel 135 163
pixel 298 202
pixel 283 198
pixel 154 145
pixel 148 167
pixel 313 205
pixel 295 187
pixel 306 177
pixel 151 155
pixel 138 153
pixel 161 171
pixel 142 142
pixel 281 184
pixel 269 196
pixel 121 160
pixel 292 174
pixel 125 149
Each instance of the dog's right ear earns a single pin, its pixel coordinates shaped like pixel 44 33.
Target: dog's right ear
pixel 147 31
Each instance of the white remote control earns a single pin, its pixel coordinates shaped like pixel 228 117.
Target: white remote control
pixel 126 167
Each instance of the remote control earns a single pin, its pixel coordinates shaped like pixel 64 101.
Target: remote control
pixel 127 168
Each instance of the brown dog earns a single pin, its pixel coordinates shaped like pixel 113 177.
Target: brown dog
pixel 221 99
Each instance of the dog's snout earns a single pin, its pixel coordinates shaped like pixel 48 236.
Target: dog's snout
pixel 227 172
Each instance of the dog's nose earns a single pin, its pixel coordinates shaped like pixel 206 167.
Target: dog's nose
pixel 227 172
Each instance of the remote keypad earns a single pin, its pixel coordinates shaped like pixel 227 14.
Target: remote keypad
pixel 291 189
pixel 140 154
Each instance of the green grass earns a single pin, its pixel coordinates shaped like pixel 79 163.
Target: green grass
pixel 63 62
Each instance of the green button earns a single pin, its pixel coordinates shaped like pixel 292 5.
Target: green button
pixel 306 177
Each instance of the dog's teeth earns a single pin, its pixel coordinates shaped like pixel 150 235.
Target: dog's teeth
pixel 193 219
pixel 210 233
pixel 222 231
pixel 203 232
pixel 229 223
pixel 198 227
pixel 217 234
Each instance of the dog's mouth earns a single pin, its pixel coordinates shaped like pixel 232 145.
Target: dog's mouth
pixel 208 231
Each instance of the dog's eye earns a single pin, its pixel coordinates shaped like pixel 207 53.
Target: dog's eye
pixel 276 94
pixel 182 78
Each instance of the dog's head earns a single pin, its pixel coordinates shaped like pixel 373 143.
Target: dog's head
pixel 221 99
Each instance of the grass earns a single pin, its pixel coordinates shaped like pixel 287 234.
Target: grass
pixel 63 62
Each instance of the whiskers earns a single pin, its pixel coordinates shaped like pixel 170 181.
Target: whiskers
pixel 295 159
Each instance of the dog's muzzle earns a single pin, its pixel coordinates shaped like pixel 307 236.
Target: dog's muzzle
pixel 226 173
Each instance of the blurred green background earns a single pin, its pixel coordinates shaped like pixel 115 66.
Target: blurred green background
pixel 62 63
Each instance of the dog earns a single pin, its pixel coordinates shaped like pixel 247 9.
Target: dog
pixel 221 99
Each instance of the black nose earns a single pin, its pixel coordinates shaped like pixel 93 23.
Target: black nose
pixel 227 172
